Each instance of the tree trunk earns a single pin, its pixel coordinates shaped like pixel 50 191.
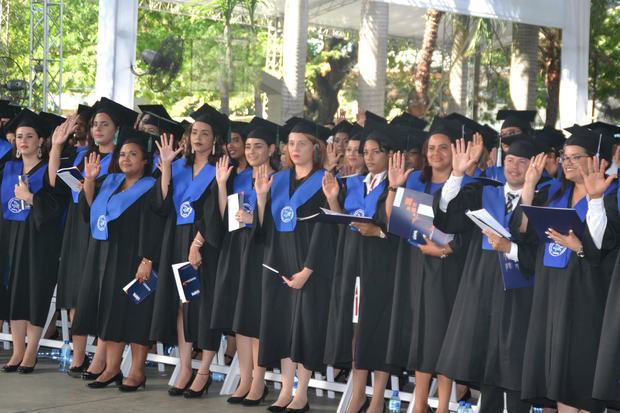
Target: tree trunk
pixel 226 83
pixel 476 92
pixel 458 62
pixel 524 66
pixel 423 70
pixel 550 47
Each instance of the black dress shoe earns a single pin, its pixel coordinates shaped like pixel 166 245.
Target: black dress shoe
pixel 126 388
pixel 78 371
pixel 302 410
pixel 191 394
pixel 88 376
pixel 251 402
pixel 10 368
pixel 237 399
pixel 177 391
pixel 27 370
pixel 274 408
pixel 101 384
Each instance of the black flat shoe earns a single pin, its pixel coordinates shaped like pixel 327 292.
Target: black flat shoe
pixel 27 370
pixel 101 384
pixel 302 410
pixel 274 408
pixel 177 391
pixel 251 402
pixel 78 371
pixel 88 376
pixel 127 388
pixel 10 368
pixel 191 394
pixel 237 400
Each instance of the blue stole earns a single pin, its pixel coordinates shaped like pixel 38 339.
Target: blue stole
pixel 5 147
pixel 358 204
pixel 186 189
pixel 155 160
pixel 108 206
pixel 494 201
pixel 11 206
pixel 104 163
pixel 283 208
pixel 495 172
pixel 414 182
pixel 243 184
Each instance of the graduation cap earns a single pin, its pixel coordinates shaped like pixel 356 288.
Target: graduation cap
pixel 7 110
pixel 242 128
pixel 549 139
pixel 342 127
pixel 521 119
pixel 165 125
pixel 355 133
pixel 595 143
pixel 28 118
pixel 266 130
pixel 218 121
pixel 127 134
pixel 375 117
pixel 53 120
pixel 158 110
pixel 288 125
pixel 407 138
pixel 120 114
pixel 468 126
pixel 407 119
pixel 524 148
pixel 489 137
pixel 605 128
pixel 311 128
pixel 451 128
pixel 85 111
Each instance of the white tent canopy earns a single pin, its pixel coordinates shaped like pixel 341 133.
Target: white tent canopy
pixel 116 48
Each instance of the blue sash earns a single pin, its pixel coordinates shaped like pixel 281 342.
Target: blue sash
pixel 494 201
pixel 104 163
pixel 108 206
pixel 11 206
pixel 155 160
pixel 283 208
pixel 495 172
pixel 355 203
pixel 5 147
pixel 186 190
pixel 243 184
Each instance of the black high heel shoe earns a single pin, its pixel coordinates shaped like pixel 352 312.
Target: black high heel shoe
pixel 10 368
pixel 250 402
pixel 177 391
pixel 78 371
pixel 302 410
pixel 27 370
pixel 101 384
pixel 191 394
pixel 88 376
pixel 237 399
pixel 127 388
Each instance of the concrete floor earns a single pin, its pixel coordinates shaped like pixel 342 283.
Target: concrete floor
pixel 47 390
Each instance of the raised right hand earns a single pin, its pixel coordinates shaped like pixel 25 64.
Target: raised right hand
pixel 223 169
pixel 461 157
pixel 64 130
pixel 536 168
pixel 331 188
pixel 263 182
pixel 167 154
pixel 397 175
pixel 92 166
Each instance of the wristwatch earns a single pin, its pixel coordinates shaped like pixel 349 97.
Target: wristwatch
pixel 382 235
pixel 580 253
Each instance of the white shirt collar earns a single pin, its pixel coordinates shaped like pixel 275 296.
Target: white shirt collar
pixel 380 177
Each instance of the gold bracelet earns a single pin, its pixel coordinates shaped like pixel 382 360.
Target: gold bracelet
pixel 392 188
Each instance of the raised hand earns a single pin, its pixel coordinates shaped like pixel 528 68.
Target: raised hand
pixel 342 115
pixel 492 157
pixel 461 157
pixel 331 188
pixel 594 177
pixel 167 154
pixel 332 158
pixel 536 168
pixel 64 130
pixel 263 182
pixel 92 166
pixel 397 175
pixel 361 116
pixel 477 147
pixel 223 169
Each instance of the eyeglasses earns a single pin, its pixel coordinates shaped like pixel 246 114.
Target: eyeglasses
pixel 574 158
pixel 508 133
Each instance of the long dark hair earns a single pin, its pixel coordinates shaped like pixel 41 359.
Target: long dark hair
pixel 45 146
pixel 190 157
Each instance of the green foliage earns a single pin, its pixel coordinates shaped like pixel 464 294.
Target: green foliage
pixel 604 50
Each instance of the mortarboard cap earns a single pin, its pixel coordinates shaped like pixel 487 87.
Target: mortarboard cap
pixel 549 139
pixel 606 128
pixel 266 130
pixel 165 125
pixel 218 121
pixel 120 114
pixel 158 110
pixel 130 135
pixel 407 119
pixel 595 143
pixel 521 119
pixel 85 111
pixel 242 128
pixel 342 127
pixel 355 134
pixel 311 128
pixel 451 128
pixel 28 118
pixel 524 148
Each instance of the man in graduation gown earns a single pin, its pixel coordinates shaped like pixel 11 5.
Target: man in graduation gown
pixel 486 334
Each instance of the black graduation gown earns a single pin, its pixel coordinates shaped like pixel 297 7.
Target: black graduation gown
pixel 32 248
pixel 486 333
pixel 294 322
pixel 177 240
pixel 113 263
pixel 4 265
pixel 228 272
pixel 565 328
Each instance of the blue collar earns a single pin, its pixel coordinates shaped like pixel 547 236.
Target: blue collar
pixel 283 207
pixel 186 189
pixel 11 206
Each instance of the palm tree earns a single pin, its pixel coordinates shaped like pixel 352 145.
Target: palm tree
pixel 458 64
pixel 550 51
pixel 251 6
pixel 524 66
pixel 423 68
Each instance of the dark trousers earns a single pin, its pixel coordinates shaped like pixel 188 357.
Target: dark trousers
pixel 493 400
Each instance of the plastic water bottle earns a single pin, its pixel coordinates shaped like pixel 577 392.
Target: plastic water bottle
pixel 537 409
pixel 65 357
pixel 217 377
pixel 468 408
pixel 461 408
pixel 394 404
pixel 294 385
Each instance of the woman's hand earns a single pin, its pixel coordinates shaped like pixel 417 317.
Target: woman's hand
pixel 299 279
pixel 569 241
pixel 244 216
pixel 64 130
pixel 477 147
pixel 498 243
pixel 367 229
pixel 223 169
pixel 23 193
pixel 492 157
pixel 535 170
pixel 594 177
pixel 144 270
pixel 341 115
pixel 92 166
pixel 361 117
pixel 332 158
pixel 461 157
pixel 433 249
pixel 167 154
pixel 397 175
pixel 195 257
pixel 331 188
pixel 263 182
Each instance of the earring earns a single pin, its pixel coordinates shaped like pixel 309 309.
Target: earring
pixel 192 150
pixel 40 152
pixel 213 149
pixel 316 154
pixel 18 154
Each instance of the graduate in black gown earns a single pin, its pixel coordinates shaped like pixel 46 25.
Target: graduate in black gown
pixel 485 336
pixel 572 280
pixel 258 151
pixel 125 245
pixel 107 117
pixel 187 191
pixel 6 149
pixel 31 230
pixel 294 314
pixel 366 195
pixel 427 275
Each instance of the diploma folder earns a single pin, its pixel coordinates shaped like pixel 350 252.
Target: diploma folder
pixel 72 177
pixel 187 281
pixel 484 220
pixel 331 217
pixel 235 202
pixel 560 219
pixel 138 291
pixel 511 274
pixel 412 218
